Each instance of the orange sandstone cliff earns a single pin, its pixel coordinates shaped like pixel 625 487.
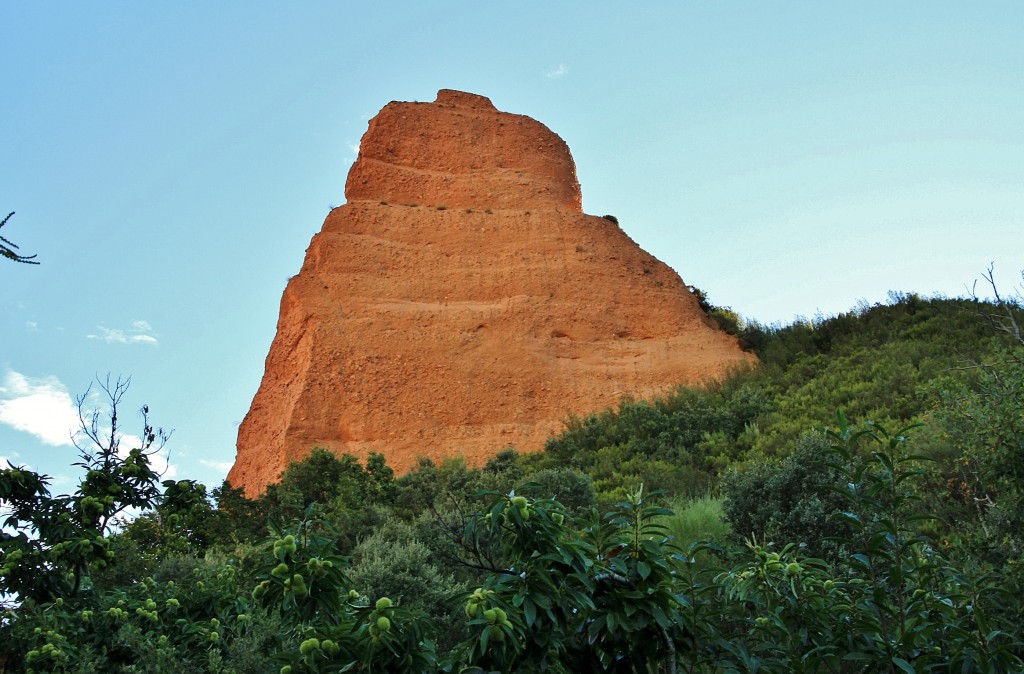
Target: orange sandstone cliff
pixel 461 302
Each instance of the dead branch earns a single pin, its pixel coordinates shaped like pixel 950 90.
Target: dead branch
pixel 1005 317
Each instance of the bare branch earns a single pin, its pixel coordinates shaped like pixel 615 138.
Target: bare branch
pixel 100 442
pixel 1005 317
pixel 472 555
pixel 7 247
pixel 670 646
pixel 106 441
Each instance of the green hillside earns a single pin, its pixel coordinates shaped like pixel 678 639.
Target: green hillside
pixel 886 363
pixel 852 504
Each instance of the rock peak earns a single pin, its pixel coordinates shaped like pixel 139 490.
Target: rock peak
pixel 463 99
pixel 462 152
pixel 461 302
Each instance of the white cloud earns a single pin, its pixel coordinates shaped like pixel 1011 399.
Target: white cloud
pixel 222 466
pixel 561 71
pixel 110 336
pixel 162 466
pixel 41 407
pixel 138 332
pixel 44 408
pixel 61 481
pixel 11 458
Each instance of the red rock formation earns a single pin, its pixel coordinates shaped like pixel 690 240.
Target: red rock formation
pixel 461 302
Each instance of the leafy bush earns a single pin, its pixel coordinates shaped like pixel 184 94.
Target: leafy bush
pixel 331 625
pixel 793 500
pixel 394 562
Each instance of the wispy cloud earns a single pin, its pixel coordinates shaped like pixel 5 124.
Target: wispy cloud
pixel 138 332
pixel 41 407
pixel 561 71
pixel 222 466
pixel 61 481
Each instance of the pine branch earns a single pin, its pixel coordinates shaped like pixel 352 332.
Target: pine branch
pixel 8 248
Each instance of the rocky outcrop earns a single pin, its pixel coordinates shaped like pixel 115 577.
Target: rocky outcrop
pixel 460 152
pixel 460 302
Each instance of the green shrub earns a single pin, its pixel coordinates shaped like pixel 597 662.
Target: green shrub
pixel 793 500
pixel 394 562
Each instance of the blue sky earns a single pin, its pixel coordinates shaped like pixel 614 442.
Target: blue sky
pixel 169 163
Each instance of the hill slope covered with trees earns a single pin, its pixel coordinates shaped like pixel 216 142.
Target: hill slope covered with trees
pixel 717 529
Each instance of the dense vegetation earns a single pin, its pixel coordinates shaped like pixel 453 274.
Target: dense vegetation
pixel 718 529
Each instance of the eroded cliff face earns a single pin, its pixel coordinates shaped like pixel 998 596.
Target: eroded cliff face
pixel 460 302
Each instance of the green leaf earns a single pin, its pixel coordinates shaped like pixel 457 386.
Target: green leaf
pixel 529 612
pixel 993 634
pixel 483 638
pixel 904 665
pixel 644 569
pixel 857 656
pixel 595 627
pixel 851 518
pixel 884 459
pixel 660 616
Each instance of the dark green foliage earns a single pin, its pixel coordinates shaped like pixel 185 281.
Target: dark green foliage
pixel 341 489
pixel 980 485
pixel 418 490
pixel 559 593
pixel 931 333
pixel 702 299
pixel 239 519
pixel 792 500
pixel 396 562
pixel 751 335
pixel 658 443
pixel 568 601
pixel 332 626
pixel 200 621
pixel 510 567
pixel 571 488
pixel 912 606
pixel 877 362
pixel 184 507
pixel 322 477
pixel 892 604
pixel 453 484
